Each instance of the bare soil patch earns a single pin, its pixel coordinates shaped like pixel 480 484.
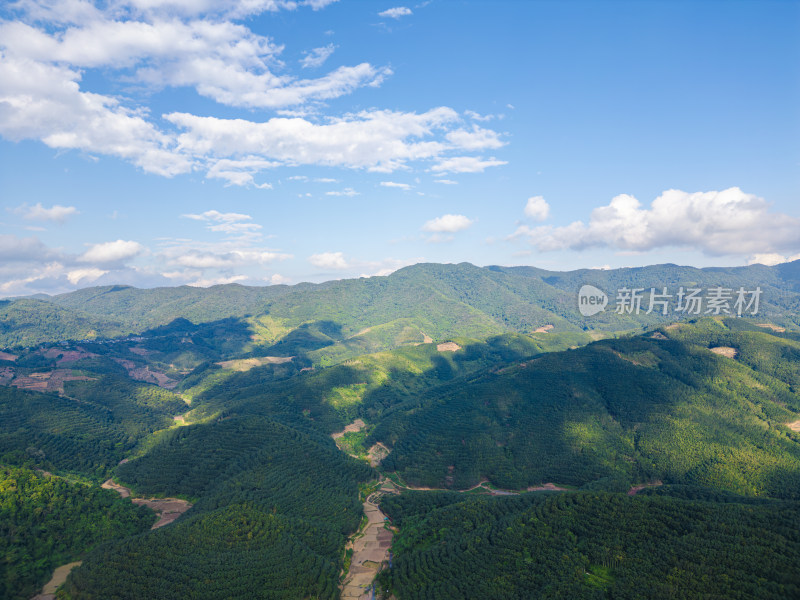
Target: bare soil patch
pixel 370 551
pixel 356 425
pixel 543 329
pixel 546 487
pixel 59 577
pixel 120 489
pixel 426 339
pixel 774 328
pixel 638 488
pixel 377 453
pixel 245 364
pixel 50 381
pixel 725 351
pixel 167 509
pixel 8 356
pixel 140 351
pixel 448 347
pixel 794 426
pixel 68 356
pixel 659 336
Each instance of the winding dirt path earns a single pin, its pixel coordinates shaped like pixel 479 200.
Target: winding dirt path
pixel 167 509
pixel 370 550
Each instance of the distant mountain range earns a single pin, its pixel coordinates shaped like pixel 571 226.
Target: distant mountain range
pixel 436 300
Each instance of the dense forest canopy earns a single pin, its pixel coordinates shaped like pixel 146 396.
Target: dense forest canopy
pixel 228 398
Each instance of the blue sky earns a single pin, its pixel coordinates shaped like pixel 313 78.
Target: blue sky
pixel 156 142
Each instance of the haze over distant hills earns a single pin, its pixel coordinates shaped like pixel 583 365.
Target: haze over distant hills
pixel 441 300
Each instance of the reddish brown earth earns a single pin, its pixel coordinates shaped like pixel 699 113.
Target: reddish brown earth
pixel 51 381
pixel 638 488
pixel 7 356
pixel 167 509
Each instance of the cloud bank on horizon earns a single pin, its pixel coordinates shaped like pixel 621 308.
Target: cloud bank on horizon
pixel 200 94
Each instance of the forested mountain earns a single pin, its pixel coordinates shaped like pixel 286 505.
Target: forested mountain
pixel 46 521
pixel 433 299
pixel 593 546
pixel 228 398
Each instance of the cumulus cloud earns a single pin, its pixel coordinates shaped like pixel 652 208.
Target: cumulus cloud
pixel 109 252
pixel 394 184
pixel 771 259
pixel 727 222
pixel 537 208
pixel 207 47
pixel 329 260
pixel 447 224
pixel 317 56
pixel 446 181
pixel 78 276
pixel 396 12
pixel 466 164
pixel 37 212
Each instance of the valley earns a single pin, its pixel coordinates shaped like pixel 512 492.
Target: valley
pixel 261 456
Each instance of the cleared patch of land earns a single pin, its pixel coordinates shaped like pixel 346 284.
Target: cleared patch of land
pixel 638 488
pixel 448 347
pixel 370 550
pixel 50 381
pixel 8 356
pixel 543 329
pixel 167 509
pixel 356 425
pixel 725 351
pixel 67 356
pixel 59 577
pixel 377 453
pixel 774 328
pixel 146 374
pixel 794 426
pixel 546 487
pixel 245 364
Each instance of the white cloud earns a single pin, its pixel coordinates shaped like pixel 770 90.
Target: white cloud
pixel 446 181
pixel 109 252
pixel 377 140
pixel 771 259
pixel 537 208
pixel 278 279
pixel 447 224
pixel 317 56
pixel 727 222
pixel 208 47
pixel 344 192
pixel 37 212
pixel 230 223
pixel 394 184
pixel 329 260
pixel 219 217
pixel 477 139
pixel 240 172
pixel 208 282
pixel 87 275
pixel 396 12
pixel 44 102
pixel 466 164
